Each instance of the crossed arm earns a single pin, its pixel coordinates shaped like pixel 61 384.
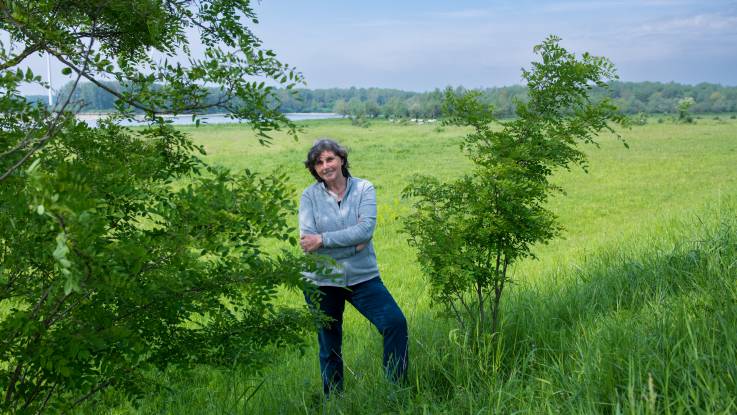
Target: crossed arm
pixel 344 242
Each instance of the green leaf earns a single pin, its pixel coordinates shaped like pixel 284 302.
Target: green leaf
pixel 62 249
pixel 71 285
pixel 33 166
pixel 66 71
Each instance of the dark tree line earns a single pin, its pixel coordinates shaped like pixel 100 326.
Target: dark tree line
pixel 630 97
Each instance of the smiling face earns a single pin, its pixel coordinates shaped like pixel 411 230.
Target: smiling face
pixel 328 167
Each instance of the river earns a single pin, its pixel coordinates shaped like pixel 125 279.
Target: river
pixel 213 118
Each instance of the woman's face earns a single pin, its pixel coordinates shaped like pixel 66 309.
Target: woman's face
pixel 328 166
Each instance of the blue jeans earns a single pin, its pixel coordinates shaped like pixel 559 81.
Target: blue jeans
pixel 372 299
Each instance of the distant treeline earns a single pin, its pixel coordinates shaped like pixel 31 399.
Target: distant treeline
pixel 631 97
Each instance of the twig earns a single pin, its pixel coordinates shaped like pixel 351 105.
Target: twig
pixel 54 124
pixel 463 303
pixel 19 58
pixel 46 400
pixel 131 102
pixel 36 392
pixel 92 391
pixel 458 315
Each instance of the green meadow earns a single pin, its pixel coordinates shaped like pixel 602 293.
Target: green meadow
pixel 633 310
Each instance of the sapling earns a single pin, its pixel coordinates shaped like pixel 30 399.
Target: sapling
pixel 469 232
pixel 683 106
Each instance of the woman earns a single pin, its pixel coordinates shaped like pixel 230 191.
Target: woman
pixel 337 216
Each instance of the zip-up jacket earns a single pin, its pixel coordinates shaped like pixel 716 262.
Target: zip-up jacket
pixel 343 227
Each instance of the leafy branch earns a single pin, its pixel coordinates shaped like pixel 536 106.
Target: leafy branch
pixel 470 232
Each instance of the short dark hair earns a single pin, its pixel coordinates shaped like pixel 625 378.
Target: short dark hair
pixel 326 144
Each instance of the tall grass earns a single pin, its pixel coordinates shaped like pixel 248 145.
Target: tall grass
pixel 633 312
pixel 647 328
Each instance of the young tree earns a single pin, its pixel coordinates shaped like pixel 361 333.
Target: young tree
pixel 395 108
pixel 121 251
pixel 469 232
pixel 341 108
pixel 683 107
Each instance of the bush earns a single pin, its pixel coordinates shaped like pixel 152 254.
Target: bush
pixel 121 251
pixel 360 121
pixel 638 119
pixel 470 231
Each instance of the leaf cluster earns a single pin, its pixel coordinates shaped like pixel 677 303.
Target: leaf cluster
pixel 146 46
pixel 110 270
pixel 122 253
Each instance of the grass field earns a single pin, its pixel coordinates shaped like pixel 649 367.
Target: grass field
pixel 633 311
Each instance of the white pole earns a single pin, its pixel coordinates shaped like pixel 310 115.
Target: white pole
pixel 48 77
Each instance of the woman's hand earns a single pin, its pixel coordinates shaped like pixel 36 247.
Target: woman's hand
pixel 310 243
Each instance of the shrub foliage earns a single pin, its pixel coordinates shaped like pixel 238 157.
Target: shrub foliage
pixel 122 252
pixel 469 232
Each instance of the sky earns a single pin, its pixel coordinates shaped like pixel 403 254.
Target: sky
pixel 422 45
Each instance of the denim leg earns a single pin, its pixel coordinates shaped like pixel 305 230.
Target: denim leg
pixel 373 300
pixel 330 337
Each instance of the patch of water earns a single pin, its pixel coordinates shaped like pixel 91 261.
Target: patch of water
pixel 210 118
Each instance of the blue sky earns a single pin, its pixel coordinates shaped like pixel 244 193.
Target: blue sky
pixel 422 45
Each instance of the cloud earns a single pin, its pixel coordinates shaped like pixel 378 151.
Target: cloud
pixel 698 24
pixel 375 24
pixel 580 6
pixel 463 14
pixel 596 6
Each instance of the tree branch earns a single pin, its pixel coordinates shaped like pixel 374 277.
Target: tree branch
pixel 21 56
pixel 92 391
pixel 463 303
pixel 54 124
pixel 83 73
pixel 133 102
pixel 36 391
pixel 46 400
pixel 12 382
pixel 460 320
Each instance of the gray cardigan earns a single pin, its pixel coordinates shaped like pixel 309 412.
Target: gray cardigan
pixel 342 228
